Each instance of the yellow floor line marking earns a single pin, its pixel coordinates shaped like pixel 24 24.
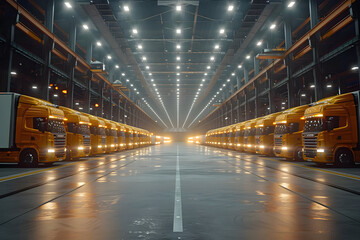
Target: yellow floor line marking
pixel 35 172
pixel 20 175
pixel 317 169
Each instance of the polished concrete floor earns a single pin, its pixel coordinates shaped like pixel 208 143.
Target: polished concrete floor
pixel 179 191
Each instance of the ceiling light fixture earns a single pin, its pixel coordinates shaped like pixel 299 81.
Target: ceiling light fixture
pixel 291 4
pixel 67 4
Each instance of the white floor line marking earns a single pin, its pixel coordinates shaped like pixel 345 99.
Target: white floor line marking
pixel 178 223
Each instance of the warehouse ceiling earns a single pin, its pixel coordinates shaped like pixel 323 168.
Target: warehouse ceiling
pixel 177 56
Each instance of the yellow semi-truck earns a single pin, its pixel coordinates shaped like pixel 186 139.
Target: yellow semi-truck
pixel 32 131
pixel 111 136
pixel 121 136
pixel 264 136
pixel 77 127
pixel 288 133
pixel 230 132
pixel 332 130
pixel 239 136
pixel 249 136
pixel 129 137
pixel 97 135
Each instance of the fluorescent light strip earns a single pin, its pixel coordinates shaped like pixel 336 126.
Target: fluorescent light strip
pixel 167 114
pixel 157 115
pixel 198 115
pixel 192 105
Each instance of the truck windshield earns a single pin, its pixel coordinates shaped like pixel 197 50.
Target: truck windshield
pixel 264 130
pixel 250 132
pixel 83 129
pixel 314 125
pixel 101 131
pixel 111 132
pixel 281 129
pixel 55 126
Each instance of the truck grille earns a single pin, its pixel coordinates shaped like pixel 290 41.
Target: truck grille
pixel 278 140
pixel 257 140
pixel 310 144
pixel 59 144
pixel 87 143
pixel 103 140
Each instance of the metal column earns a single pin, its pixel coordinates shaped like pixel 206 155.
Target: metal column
pixel 354 12
pixel 48 46
pixel 288 62
pixel 7 25
pixel 314 42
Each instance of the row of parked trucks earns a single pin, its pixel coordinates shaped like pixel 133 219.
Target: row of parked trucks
pixel 324 132
pixel 34 131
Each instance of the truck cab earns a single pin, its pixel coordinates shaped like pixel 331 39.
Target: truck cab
pixel 32 131
pixel 77 127
pixel 231 136
pixel 239 136
pixel 129 137
pixel 264 138
pixel 331 131
pixel 111 136
pixel 121 136
pixel 97 135
pixel 288 133
pixel 249 136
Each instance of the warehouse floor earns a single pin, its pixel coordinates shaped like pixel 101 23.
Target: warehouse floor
pixel 179 191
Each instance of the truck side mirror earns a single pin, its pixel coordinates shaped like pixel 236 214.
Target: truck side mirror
pixel 42 126
pixel 329 125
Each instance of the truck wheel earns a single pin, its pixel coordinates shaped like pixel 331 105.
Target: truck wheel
pixel 67 154
pixel 344 158
pixel 28 158
pixel 298 155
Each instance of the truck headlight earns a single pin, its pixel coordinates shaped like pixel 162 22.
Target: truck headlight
pixel 262 146
pixel 112 145
pixel 320 150
pixel 284 148
pixel 80 148
pixel 249 145
pixel 100 146
pixel 51 150
pixel 238 144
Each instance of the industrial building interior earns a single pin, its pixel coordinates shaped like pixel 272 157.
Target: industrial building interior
pixel 179 119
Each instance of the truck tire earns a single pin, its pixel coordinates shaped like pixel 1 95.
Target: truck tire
pixel 28 158
pixel 344 158
pixel 67 154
